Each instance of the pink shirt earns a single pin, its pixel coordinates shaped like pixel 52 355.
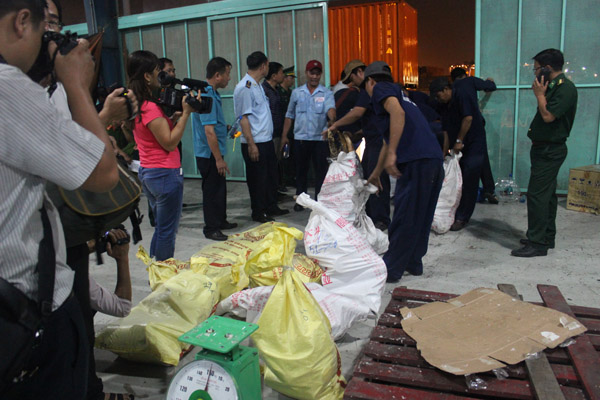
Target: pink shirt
pixel 152 154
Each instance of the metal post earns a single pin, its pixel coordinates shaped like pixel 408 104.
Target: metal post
pixel 326 44
pixel 162 35
pixel 518 78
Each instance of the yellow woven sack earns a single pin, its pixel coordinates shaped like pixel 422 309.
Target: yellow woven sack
pixel 294 340
pixel 229 263
pixel 160 271
pixel 308 271
pixel 149 333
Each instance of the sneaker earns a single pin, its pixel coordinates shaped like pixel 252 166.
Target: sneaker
pixel 529 251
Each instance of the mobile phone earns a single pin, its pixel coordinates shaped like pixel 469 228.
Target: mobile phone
pixel 545 72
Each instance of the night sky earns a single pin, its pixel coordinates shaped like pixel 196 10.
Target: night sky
pixel 446 31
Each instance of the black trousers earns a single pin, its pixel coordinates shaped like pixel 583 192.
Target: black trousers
pixel 62 357
pixel 487 178
pixel 214 194
pixel 261 178
pixel 307 152
pixel 415 199
pixel 470 165
pixel 378 205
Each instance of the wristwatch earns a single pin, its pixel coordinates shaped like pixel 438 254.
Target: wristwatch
pixel 458 141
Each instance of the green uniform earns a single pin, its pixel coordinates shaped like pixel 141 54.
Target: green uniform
pixel 548 152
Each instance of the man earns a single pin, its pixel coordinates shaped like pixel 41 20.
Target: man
pixel 210 139
pixel 311 106
pixel 274 78
pixel 411 154
pixel 345 99
pixel 251 104
pixel 471 84
pixel 463 121
pixel 557 103
pixel 288 177
pixel 285 87
pixel 61 356
pixel 165 64
pixel 378 205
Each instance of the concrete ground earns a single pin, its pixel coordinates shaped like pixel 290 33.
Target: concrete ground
pixel 457 262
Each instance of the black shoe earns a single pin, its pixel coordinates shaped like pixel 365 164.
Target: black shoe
pixel 216 235
pixel 298 207
pixel 282 189
pixel 262 218
pixel 525 242
pixel 491 198
pixel 529 251
pixel 276 212
pixel 457 225
pixel 228 225
pixel 391 279
pixel 382 226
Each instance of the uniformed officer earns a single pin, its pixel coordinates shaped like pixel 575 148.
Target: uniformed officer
pixel 251 104
pixel 311 105
pixel 557 103
pixel 463 121
pixel 411 154
pixel 288 176
pixel 285 87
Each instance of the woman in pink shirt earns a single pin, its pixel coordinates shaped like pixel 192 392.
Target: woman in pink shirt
pixel 157 137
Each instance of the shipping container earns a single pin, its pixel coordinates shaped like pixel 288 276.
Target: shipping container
pixel 375 31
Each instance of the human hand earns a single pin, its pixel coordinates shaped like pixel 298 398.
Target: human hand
pixel 458 147
pixel 222 167
pixel 117 251
pixel 326 131
pixel 539 86
pixel 187 108
pixel 175 117
pixel 253 152
pixel 284 141
pixel 390 166
pixel 115 106
pixel 374 180
pixel 76 68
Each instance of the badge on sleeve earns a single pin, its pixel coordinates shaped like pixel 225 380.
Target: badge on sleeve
pixel 248 84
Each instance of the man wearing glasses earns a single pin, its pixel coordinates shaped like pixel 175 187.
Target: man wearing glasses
pixel 556 106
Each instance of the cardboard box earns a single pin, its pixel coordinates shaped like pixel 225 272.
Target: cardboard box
pixel 485 329
pixel 584 189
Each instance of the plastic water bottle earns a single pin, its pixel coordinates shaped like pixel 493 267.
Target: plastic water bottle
pixel 286 150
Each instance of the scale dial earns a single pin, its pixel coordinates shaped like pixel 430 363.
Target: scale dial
pixel 202 380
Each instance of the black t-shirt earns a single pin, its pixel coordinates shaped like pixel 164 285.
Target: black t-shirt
pixel 350 96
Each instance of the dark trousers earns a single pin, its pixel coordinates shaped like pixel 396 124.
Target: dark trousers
pixel 416 196
pixel 307 152
pixel 487 178
pixel 78 258
pixel 62 357
pixel 470 165
pixel 546 161
pixel 261 177
pixel 214 194
pixel 378 206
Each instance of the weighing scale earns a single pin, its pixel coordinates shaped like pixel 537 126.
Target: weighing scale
pixel 222 370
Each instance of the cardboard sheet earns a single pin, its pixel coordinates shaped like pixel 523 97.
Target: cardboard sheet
pixel 485 329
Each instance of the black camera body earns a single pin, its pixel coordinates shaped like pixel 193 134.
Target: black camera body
pixel 101 243
pixel 171 97
pixel 44 64
pixel 125 94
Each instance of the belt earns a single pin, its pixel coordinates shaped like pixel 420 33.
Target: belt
pixel 539 143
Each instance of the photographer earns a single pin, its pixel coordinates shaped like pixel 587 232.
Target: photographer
pixel 32 138
pixel 160 166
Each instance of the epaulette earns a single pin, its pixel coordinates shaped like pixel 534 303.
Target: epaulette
pixel 560 81
pixel 248 84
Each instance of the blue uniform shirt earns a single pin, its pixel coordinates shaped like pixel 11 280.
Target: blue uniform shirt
pixel 249 99
pixel 417 141
pixel 216 118
pixel 309 112
pixel 464 94
pixel 368 120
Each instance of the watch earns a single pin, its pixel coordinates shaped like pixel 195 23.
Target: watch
pixel 458 141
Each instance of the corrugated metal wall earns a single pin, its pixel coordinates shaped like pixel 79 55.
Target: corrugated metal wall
pixel 375 31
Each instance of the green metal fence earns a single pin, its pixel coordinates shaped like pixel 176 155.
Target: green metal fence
pixel 508 34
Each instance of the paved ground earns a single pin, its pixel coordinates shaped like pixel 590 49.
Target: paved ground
pixel 477 256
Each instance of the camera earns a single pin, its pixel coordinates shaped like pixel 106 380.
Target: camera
pixel 44 64
pixel 101 243
pixel 125 94
pixel 171 97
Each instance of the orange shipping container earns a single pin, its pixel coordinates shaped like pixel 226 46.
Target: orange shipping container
pixel 375 31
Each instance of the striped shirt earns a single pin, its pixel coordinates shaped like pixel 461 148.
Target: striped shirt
pixel 36 145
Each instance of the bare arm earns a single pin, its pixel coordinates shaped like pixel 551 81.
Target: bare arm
pixel 167 138
pixel 465 125
pixel 287 124
pixel 75 70
pixel 331 116
pixel 120 254
pixel 247 132
pixel 397 120
pixel 352 116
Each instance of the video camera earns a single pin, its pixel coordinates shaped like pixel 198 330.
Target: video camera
pixel 171 97
pixel 44 64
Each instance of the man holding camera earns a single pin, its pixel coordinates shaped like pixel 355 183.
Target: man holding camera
pixel 33 139
pixel 210 139
pixel 556 106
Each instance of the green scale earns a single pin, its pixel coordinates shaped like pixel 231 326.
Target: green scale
pixel 222 370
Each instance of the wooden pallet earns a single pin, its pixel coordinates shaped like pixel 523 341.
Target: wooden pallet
pixel 391 367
